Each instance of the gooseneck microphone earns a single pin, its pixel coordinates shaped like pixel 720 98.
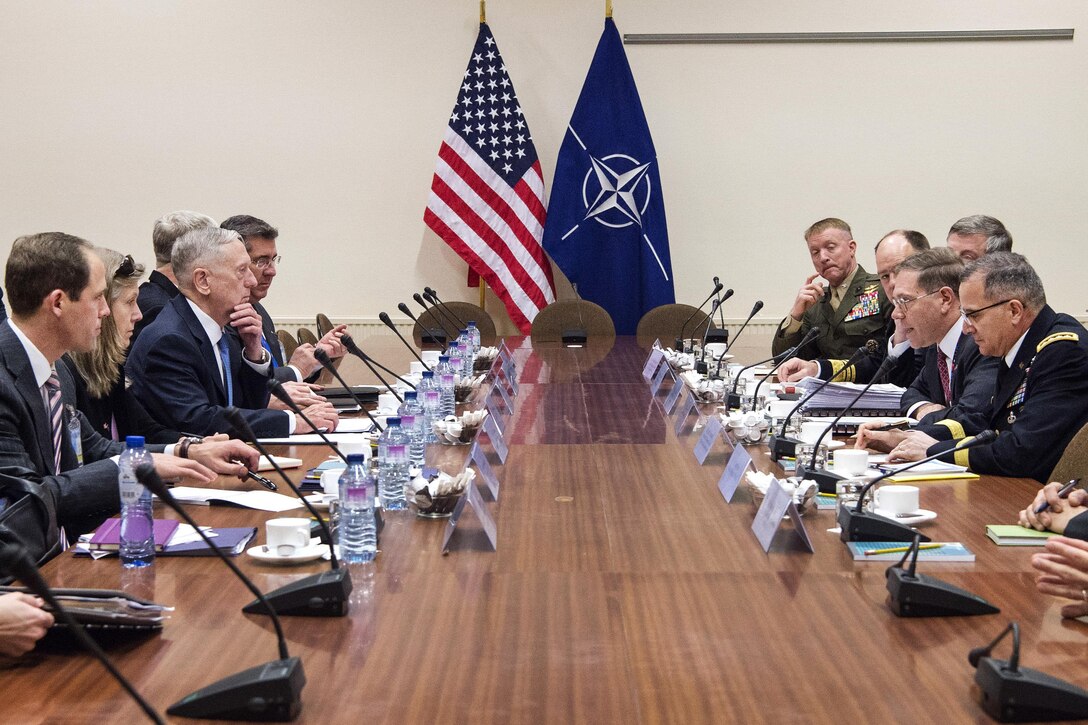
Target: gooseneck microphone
pixel 861 525
pixel 272 691
pixel 826 480
pixel 781 445
pixel 916 595
pixel 438 316
pixel 404 308
pixel 384 317
pixel 717 288
pixel 15 561
pixel 755 310
pixel 276 388
pixel 781 358
pixel 700 366
pixel 1010 693
pixel 354 349
pixel 321 595
pixel 433 294
pixel 326 362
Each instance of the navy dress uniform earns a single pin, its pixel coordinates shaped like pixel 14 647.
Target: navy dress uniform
pixel 973 378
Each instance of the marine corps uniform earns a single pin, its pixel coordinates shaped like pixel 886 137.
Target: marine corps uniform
pixel 1039 403
pixel 863 314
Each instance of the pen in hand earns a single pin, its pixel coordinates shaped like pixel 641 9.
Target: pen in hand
pixel 1063 493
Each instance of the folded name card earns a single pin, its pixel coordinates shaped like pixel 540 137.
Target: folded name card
pixel 776 505
pixel 471 498
pixel 495 436
pixel 652 364
pixel 659 377
pixel 479 459
pixel 711 432
pixel 739 460
pixel 686 409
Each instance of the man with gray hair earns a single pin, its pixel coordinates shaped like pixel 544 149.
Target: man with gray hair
pixel 975 236
pixel 1040 398
pixel 185 368
pixel 161 285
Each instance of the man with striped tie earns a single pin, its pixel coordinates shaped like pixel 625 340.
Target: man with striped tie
pixel 187 369
pixel 56 289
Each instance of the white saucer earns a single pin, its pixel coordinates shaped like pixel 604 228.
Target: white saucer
pixel 313 552
pixel 320 501
pixel 920 516
pixel 831 443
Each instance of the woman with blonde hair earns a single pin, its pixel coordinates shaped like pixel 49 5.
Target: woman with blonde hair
pixel 102 390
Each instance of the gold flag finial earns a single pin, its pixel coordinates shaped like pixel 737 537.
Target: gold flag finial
pixel 608 8
pixel 483 11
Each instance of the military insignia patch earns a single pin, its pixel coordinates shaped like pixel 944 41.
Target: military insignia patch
pixel 867 306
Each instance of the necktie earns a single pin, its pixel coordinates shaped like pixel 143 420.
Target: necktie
pixel 53 406
pixel 224 355
pixel 942 369
pixel 271 355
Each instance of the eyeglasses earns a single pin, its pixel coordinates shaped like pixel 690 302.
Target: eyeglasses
pixel 127 268
pixel 904 303
pixel 970 314
pixel 266 262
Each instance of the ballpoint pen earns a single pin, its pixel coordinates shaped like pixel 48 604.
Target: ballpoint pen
pixel 1063 493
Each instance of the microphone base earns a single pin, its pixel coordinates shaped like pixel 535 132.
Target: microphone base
pixel 718 336
pixel 433 337
pixel 865 526
pixel 575 338
pixel 926 596
pixel 782 446
pixel 1027 695
pixel 271 692
pixel 321 595
pixel 826 480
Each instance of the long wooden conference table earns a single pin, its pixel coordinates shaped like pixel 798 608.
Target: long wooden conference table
pixel 624 589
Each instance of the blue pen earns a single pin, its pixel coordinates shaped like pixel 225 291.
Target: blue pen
pixel 1063 493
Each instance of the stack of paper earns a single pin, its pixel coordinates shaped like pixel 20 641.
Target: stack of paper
pixel 837 396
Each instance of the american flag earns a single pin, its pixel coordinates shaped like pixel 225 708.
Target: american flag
pixel 487 195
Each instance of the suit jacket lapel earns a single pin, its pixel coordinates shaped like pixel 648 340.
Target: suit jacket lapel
pixel 19 366
pixel 268 327
pixel 208 352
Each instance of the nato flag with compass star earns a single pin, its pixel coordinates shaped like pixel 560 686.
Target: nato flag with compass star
pixel 606 217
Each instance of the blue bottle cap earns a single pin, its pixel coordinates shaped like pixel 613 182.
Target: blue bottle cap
pixel 392 420
pixel 354 458
pixel 134 441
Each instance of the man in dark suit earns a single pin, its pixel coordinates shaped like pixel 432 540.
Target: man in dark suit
pixel 956 382
pixel 975 236
pixel 849 310
pixel 56 288
pixel 187 369
pixel 260 239
pixel 161 285
pixel 1040 398
pixel 893 248
pixel 3 310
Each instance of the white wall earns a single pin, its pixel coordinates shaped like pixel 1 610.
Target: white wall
pixel 325 117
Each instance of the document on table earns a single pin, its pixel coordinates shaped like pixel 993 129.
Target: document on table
pixel 312 439
pixel 260 500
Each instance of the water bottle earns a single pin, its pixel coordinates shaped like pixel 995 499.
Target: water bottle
pixel 393 465
pixel 474 339
pixel 357 534
pixel 411 422
pixel 447 378
pixel 430 397
pixel 137 526
pixel 458 367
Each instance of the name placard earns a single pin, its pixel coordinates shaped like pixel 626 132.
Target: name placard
pixel 659 376
pixel 652 363
pixel 493 413
pixel 686 409
pixel 776 505
pixel 507 401
pixel 711 431
pixel 483 467
pixel 674 395
pixel 739 460
pixel 490 428
pixel 487 522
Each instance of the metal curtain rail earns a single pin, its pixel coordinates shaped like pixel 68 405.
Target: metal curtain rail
pixel 898 36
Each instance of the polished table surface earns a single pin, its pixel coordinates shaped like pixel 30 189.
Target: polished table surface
pixel 624 589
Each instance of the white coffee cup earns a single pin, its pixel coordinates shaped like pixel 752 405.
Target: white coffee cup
pixel 287 536
pixel 779 409
pixel 330 481
pixel 387 402
pixel 715 349
pixel 430 357
pixel 812 430
pixel 416 368
pixel 851 462
pixel 894 499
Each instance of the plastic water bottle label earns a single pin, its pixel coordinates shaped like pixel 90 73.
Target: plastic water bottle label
pixel 407 421
pixel 432 397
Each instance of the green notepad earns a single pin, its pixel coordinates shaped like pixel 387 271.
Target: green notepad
pixel 1014 535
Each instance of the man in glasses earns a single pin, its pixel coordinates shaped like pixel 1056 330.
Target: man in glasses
pixel 956 381
pixel 973 237
pixel 260 239
pixel 893 248
pixel 1040 398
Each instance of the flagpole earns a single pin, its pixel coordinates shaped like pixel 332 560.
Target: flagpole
pixel 607 8
pixel 483 288
pixel 483 12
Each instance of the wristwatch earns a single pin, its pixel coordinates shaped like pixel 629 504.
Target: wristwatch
pixel 265 357
pixel 182 450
